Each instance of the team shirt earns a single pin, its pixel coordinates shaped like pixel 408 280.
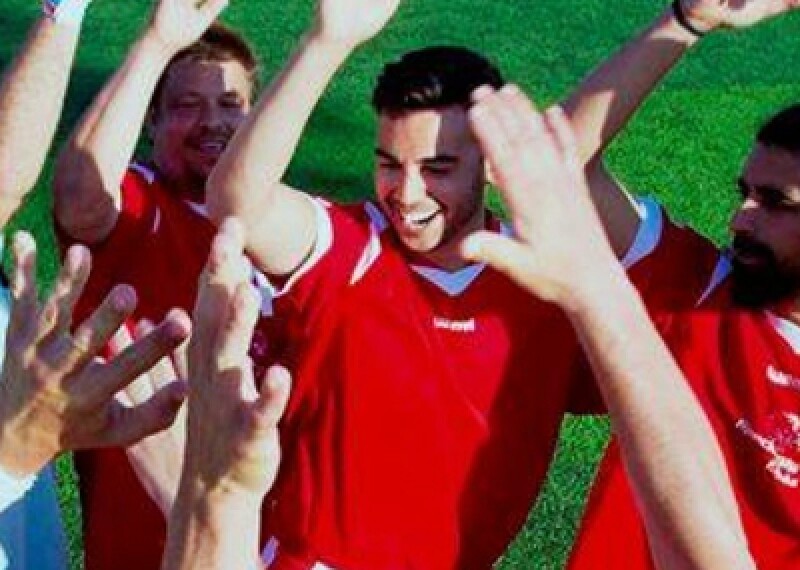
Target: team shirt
pixel 159 245
pixel 743 366
pixel 425 405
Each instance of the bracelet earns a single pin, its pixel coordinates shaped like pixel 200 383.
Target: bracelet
pixel 680 17
pixel 67 12
pixel 13 488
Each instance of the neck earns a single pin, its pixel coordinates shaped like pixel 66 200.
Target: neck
pixel 448 255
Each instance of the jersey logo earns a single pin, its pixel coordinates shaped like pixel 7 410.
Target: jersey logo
pixel 466 326
pixel 782 379
pixel 780 438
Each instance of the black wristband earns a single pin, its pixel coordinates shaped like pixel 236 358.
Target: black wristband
pixel 680 16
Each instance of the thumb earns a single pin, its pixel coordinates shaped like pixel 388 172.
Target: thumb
pixel 500 252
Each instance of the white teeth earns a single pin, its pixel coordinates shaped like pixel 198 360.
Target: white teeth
pixel 212 146
pixel 418 219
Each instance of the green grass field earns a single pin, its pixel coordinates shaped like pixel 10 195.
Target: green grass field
pixel 685 146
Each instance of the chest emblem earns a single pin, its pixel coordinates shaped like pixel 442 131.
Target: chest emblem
pixel 779 437
pixel 783 379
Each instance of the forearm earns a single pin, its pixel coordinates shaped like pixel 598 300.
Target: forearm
pixel 92 165
pixel 212 533
pixel 31 99
pixel 246 181
pixel 669 449
pixel 605 101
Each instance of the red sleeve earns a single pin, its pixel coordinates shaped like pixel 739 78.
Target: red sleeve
pixel 346 232
pixel 136 218
pixel 676 273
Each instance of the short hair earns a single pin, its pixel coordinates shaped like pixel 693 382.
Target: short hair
pixel 219 43
pixel 782 130
pixel 433 78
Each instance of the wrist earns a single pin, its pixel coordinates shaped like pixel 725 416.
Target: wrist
pixel 691 19
pixel 154 43
pixel 597 290
pixel 22 456
pixel 337 47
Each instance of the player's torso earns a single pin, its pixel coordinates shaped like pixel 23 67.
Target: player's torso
pixel 428 421
pixel 746 372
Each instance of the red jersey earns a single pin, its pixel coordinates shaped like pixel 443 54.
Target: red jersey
pixel 744 368
pixel 159 245
pixel 425 406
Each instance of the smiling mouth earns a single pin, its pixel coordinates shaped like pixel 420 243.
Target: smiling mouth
pixel 211 148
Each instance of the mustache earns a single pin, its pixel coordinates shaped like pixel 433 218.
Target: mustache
pixel 743 245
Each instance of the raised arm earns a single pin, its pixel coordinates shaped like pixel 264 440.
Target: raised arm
pixel 31 97
pixel 91 167
pixel 232 450
pixel 607 99
pixel 246 181
pixel 561 254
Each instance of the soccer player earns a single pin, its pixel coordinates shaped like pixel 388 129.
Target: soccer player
pixel 428 390
pixel 188 83
pixel 738 349
pixel 668 446
pixel 688 501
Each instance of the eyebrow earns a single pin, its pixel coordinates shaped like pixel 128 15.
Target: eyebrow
pixel 438 159
pixel 791 193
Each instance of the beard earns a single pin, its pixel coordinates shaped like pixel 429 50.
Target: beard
pixel 763 280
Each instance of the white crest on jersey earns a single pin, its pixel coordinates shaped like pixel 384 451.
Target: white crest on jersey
pixel 784 438
pixel 783 379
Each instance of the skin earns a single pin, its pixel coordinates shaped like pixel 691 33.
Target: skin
pixel 429 181
pixel 668 446
pixel 90 168
pixel 608 97
pixel 55 395
pixel 766 230
pixel 247 182
pixel 201 106
pixel 232 448
pixel 31 98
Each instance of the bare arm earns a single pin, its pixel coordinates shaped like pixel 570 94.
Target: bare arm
pixel 31 97
pixel 91 167
pixel 606 100
pixel 232 450
pixel 669 449
pixel 246 181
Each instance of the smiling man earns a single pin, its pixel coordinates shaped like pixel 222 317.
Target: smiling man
pixel 739 340
pixel 189 83
pixel 428 390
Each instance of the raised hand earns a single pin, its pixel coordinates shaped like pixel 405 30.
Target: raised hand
pixel 157 459
pixel 533 160
pixel 179 23
pixel 232 442
pixel 352 22
pixel 55 394
pixel 710 14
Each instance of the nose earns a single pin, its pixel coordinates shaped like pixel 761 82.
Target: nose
pixel 211 116
pixel 745 217
pixel 410 187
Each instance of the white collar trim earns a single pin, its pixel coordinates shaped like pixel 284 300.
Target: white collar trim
pixel 787 329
